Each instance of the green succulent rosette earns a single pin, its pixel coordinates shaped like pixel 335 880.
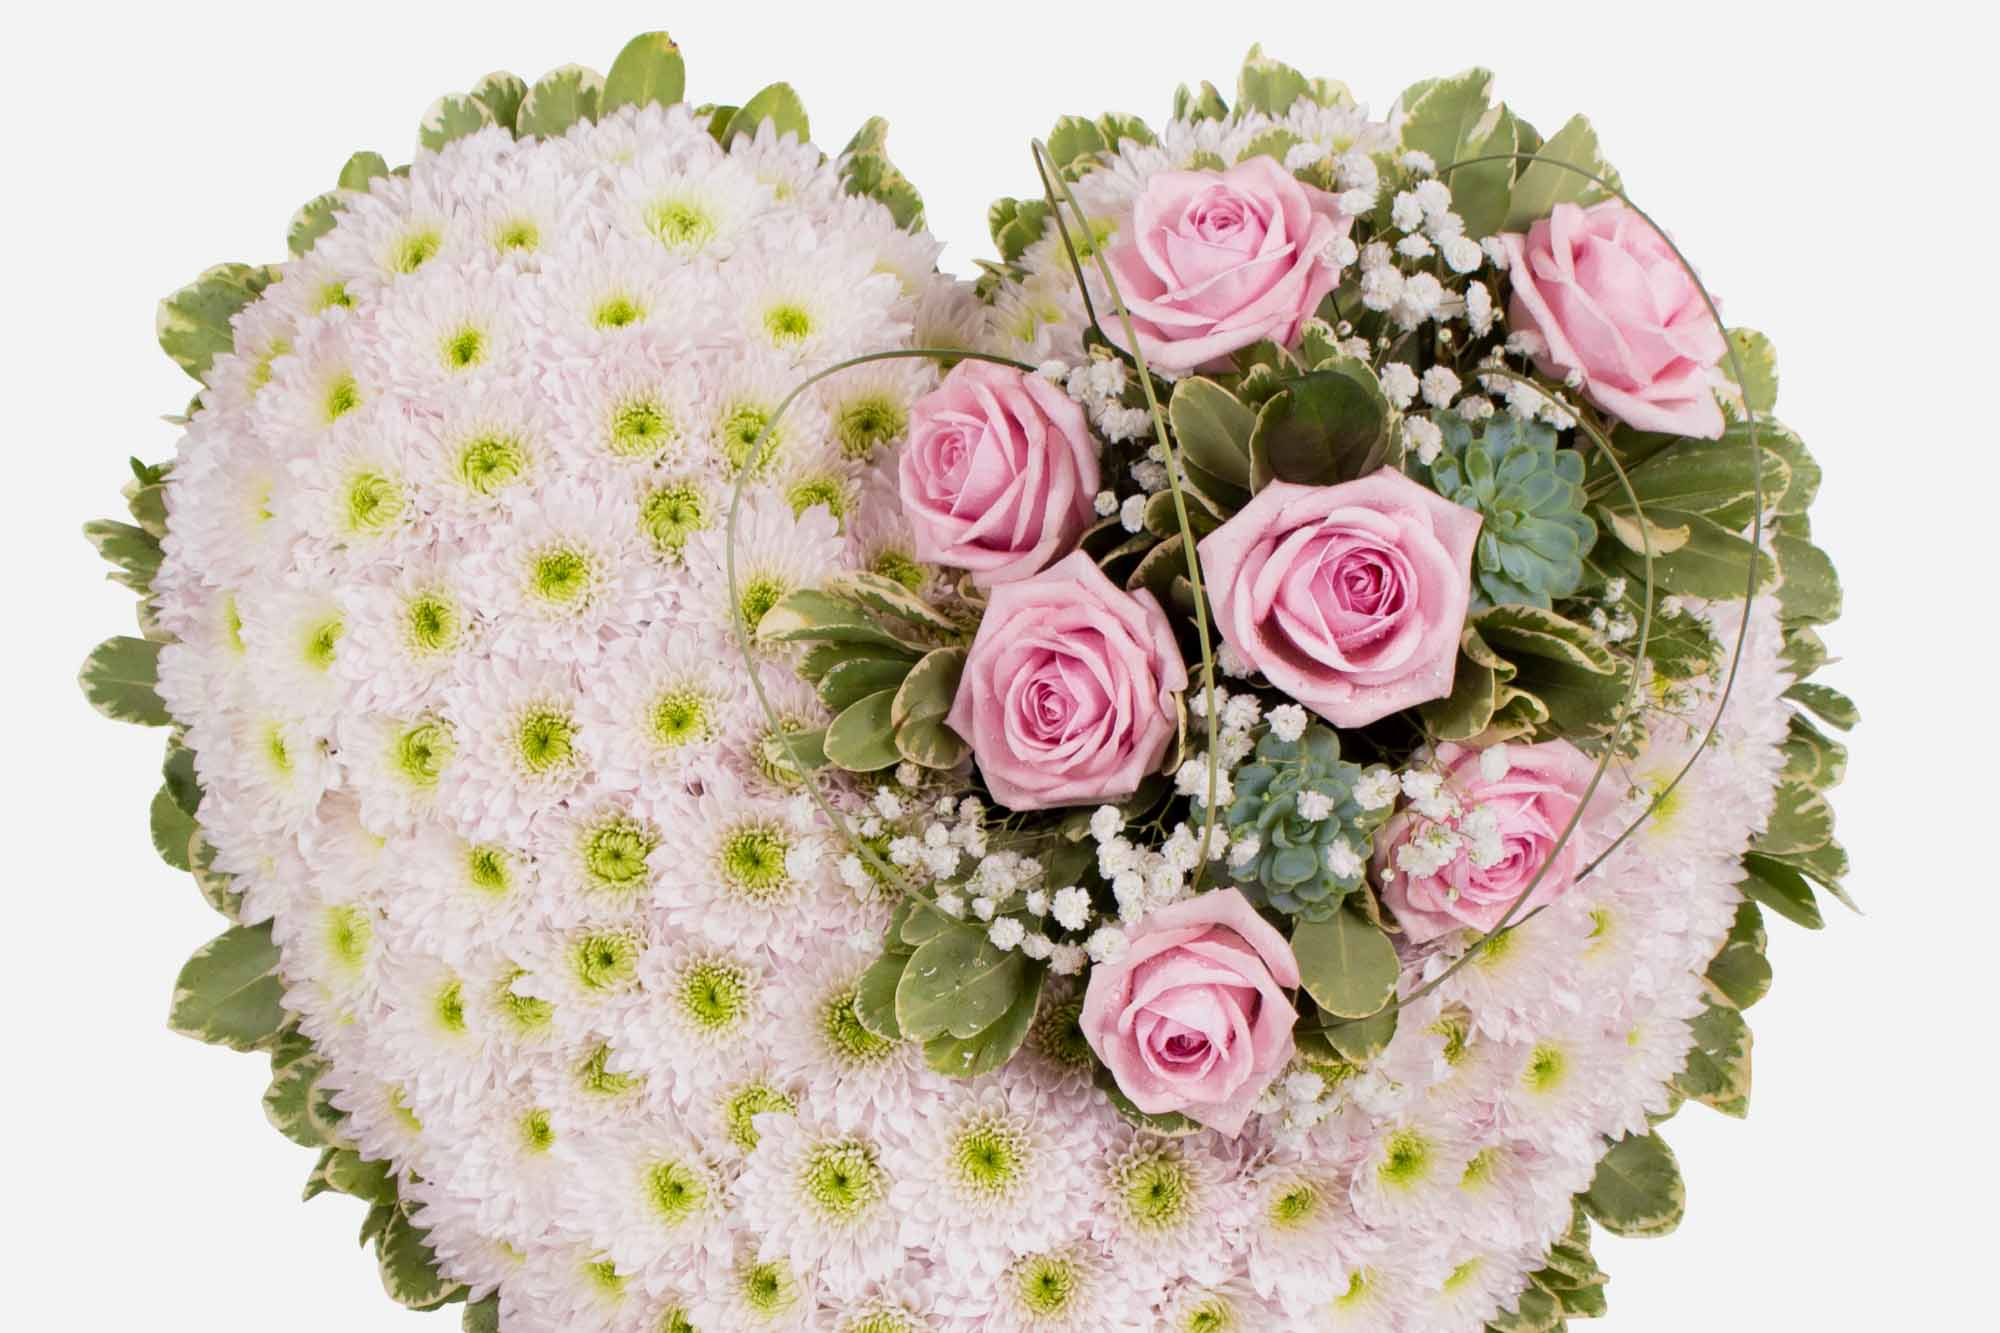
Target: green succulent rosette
pixel 1530 492
pixel 1297 798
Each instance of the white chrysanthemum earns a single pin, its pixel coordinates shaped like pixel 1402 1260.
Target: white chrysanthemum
pixel 452 329
pixel 663 702
pixel 1293 1239
pixel 811 298
pixel 1073 1288
pixel 403 630
pixel 653 1201
pixel 993 1176
pixel 1172 1208
pixel 696 206
pixel 777 553
pixel 704 1006
pixel 757 1295
pixel 848 1074
pixel 820 1198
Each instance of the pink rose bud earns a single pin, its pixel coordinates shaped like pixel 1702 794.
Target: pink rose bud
pixel 1214 261
pixel 1612 302
pixel 1532 801
pixel 1194 1018
pixel 1068 691
pixel 999 474
pixel 1349 598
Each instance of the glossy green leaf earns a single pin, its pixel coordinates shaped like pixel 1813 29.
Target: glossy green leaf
pixel 778 104
pixel 1828 704
pixel 1360 1040
pixel 875 995
pixel 1346 963
pixel 451 117
pixel 1808 586
pixel 862 739
pixel 957 983
pixel 926 694
pixel 1323 427
pixel 194 324
pixel 229 993
pixel 1637 1190
pixel 850 681
pixel 1213 428
pixel 484 1316
pixel 172 829
pixel 649 71
pixel 409 1266
pixel 1267 85
pixel 1740 971
pixel 931 742
pixel 1540 186
pixel 133 552
pixel 119 678
pixel 1718 1067
pixel 361 168
pixel 994 1045
pixel 503 92
pixel 560 99
pixel 1782 889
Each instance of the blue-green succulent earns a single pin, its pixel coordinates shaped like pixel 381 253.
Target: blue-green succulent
pixel 1530 493
pixel 1304 866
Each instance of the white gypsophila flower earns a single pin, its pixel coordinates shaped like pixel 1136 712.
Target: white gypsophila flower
pixel 1288 722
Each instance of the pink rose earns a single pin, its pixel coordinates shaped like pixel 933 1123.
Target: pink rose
pixel 1068 691
pixel 1349 598
pixel 1218 260
pixel 1531 801
pixel 1194 1018
pixel 999 474
pixel 1612 302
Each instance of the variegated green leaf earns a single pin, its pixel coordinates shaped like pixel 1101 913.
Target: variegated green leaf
pixel 1828 704
pixel 1540 186
pixel 927 692
pixel 1346 963
pixel 1782 889
pixel 173 827
pixel 119 678
pixel 133 552
pixel 313 220
pixel 193 325
pixel 931 743
pixel 409 1267
pixel 1740 972
pixel 862 739
pixel 230 994
pixel 1637 1190
pixel 453 116
pixel 1718 1068
pixel 649 71
pixel 502 93
pixel 890 598
pixel 560 99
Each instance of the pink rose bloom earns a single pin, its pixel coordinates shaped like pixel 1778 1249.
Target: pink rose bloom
pixel 1349 598
pixel 1218 260
pixel 1533 799
pixel 1068 691
pixel 1612 302
pixel 999 474
pixel 1194 1018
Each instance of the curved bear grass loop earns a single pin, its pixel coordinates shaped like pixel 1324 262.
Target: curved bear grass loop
pixel 888 873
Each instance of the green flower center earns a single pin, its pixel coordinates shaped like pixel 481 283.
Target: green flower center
pixel 671 514
pixel 617 312
pixel 752 862
pixel 517 234
pixel 758 596
pixel 538 1135
pixel 605 960
pixel 321 638
pixel 597 1080
pixel 1462 1274
pixel 349 932
pixel 276 752
pixel 866 424
pixel 787 325
pixel 902 567
pixel 400 1108
pixel 1058 1036
pixel 842 1180
pixel 741 427
pixel 615 852
pixel 811 491
pixel 603 1275
pixel 260 373
pixel 1357 1290
pixel 675 1320
pixel 1214 1314
pixel 546 739
pixel 768 1288
pixel 641 428
pixel 373 502
pixel 1480 1169
pixel 421 752
pixel 465 349
pixel 675 1190
pixel 1546 1066
pixel 714 995
pixel 1157 1188
pixel 343 395
pixel 741 1109
pixel 679 717
pixel 1295 1205
pixel 449 1006
pixel 1407 1160
pixel 1456 1033
pixel 882 1321
pixel 850 1041
pixel 1048 1284
pixel 489 464
pixel 561 575
pixel 680 224
pixel 489 869
pixel 989 1156
pixel 430 623
pixel 526 1013
pixel 416 250
pixel 332 295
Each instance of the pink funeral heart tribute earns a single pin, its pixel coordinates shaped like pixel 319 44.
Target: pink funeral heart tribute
pixel 1226 774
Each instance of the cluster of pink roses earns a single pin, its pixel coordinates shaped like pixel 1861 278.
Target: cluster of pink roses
pixel 1350 598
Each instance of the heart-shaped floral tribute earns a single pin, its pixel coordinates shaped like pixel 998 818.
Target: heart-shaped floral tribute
pixel 1221 777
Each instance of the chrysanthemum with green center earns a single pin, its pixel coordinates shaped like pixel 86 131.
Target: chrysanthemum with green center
pixel 681 716
pixel 349 932
pixel 766 1289
pixel 1052 1288
pixel 1156 1188
pixel 562 576
pixel 787 323
pixel 866 423
pixel 675 1190
pixel 420 752
pixel 613 852
pixel 523 1015
pixel 742 1106
pixel 432 624
pixel 1057 1036
pixel 319 640
pixel 847 1039
pixel 595 1077
pixel 489 870
pixel 491 461
pixel 738 428
pixel 713 995
pixel 671 514
pixel 828 489
pixel 604 961
pixel 990 1157
pixel 1407 1159
pixel 343 395
pixel 537 1131
pixel 415 248
pixel 371 502
pixel 842 1181
pixel 545 741
pixel 750 862
pixel 641 426
pixel 464 348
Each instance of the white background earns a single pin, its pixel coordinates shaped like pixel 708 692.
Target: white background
pixel 1831 176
